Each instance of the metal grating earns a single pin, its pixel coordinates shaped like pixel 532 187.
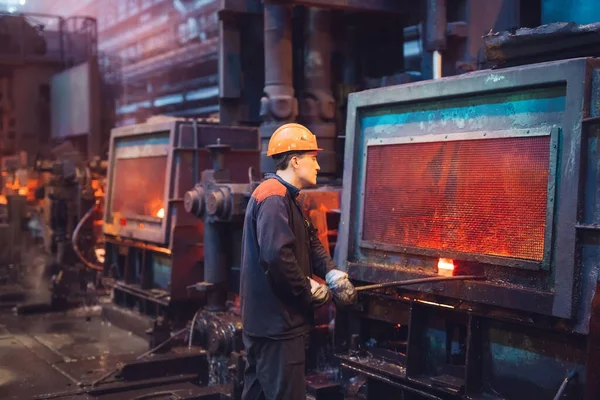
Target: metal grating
pixel 486 196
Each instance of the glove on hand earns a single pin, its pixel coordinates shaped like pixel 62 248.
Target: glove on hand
pixel 320 293
pixel 343 290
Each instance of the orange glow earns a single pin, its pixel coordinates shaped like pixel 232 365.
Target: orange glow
pixel 446 267
pixel 160 213
pixel 431 303
pixel 3 199
pixel 22 191
pixel 486 197
pixel 98 191
pixel 138 186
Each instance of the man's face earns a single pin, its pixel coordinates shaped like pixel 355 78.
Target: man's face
pixel 306 168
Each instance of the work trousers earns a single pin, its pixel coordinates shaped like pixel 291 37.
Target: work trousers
pixel 275 369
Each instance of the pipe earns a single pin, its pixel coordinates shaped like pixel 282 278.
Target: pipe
pixel 278 105
pixel 317 108
pixel 215 263
pixel 76 236
pixel 572 374
pixel 317 53
pixel 435 25
pixel 420 280
pixel 278 45
pixel 435 33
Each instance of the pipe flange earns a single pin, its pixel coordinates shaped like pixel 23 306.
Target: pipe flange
pixel 193 201
pixel 215 203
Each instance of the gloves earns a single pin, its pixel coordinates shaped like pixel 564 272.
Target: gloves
pixel 320 293
pixel 344 293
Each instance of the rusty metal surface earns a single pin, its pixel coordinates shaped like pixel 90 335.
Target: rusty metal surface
pixel 510 96
pixel 559 40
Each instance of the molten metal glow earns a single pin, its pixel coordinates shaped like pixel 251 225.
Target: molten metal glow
pixel 138 187
pixel 472 196
pixel 445 267
pixel 160 213
pixel 434 304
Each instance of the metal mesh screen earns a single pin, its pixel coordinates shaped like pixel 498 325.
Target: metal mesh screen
pixel 474 196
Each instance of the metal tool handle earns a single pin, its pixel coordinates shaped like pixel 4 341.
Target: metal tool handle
pixel 420 280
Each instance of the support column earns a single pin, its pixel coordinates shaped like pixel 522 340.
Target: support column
pixel 317 105
pixel 435 34
pixel 278 105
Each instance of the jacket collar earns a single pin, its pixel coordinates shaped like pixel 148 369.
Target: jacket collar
pixel 294 191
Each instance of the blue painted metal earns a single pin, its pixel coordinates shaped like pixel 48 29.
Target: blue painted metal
pixel 578 11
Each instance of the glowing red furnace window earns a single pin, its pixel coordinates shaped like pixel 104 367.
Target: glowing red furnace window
pixel 474 196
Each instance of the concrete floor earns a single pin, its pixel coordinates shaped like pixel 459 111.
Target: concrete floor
pixel 58 352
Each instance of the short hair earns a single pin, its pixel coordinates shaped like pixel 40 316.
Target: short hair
pixel 282 161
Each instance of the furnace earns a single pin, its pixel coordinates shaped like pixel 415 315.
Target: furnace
pixel 491 174
pixel 154 249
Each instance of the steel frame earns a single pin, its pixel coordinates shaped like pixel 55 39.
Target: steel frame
pixel 483 258
pixel 560 300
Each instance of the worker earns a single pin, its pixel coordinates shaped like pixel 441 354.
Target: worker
pixel 280 253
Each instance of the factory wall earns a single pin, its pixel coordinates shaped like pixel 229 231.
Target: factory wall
pixel 156 56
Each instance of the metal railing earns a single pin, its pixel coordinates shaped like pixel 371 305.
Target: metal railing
pixel 30 37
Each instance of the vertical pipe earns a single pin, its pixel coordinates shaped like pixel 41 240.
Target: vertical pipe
pixel 435 33
pixel 278 105
pixel 317 107
pixel 215 263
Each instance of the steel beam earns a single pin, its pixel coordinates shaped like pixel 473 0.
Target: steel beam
pixel 242 6
pixel 386 6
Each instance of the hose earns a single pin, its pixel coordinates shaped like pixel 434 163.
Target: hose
pixel 173 336
pixel 101 379
pixel 76 235
pixel 420 280
pixel 192 328
pixel 572 374
pixel 110 373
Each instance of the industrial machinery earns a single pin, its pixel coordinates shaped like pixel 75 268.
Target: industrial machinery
pixel 155 250
pixel 489 174
pixel 467 217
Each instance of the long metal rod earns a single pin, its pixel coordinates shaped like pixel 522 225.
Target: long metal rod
pixel 420 280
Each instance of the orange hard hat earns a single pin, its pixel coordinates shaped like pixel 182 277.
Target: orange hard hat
pixel 292 137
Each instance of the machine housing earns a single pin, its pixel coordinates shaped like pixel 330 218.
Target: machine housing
pixel 494 173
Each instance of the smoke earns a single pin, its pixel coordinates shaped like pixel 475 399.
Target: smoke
pixel 34 261
pixel 36 279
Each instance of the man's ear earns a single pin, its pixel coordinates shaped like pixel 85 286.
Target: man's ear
pixel 294 161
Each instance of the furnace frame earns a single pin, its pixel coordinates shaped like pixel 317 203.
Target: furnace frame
pixel 151 234
pixel 570 289
pixel 506 261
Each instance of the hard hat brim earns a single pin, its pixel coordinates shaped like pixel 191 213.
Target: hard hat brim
pixel 274 153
